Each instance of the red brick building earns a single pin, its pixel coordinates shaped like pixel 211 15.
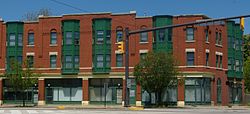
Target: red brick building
pixel 76 55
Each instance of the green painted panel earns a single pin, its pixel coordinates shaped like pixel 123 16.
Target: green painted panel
pixel 101 45
pixel 70 47
pixel 15 51
pixel 162 38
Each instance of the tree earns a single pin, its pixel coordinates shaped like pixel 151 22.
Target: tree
pixel 156 72
pixel 21 79
pixel 246 73
pixel 33 16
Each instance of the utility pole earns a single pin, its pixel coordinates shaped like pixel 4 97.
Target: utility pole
pixel 206 22
pixel 126 67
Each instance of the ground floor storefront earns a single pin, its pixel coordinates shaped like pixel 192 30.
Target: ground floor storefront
pixel 111 91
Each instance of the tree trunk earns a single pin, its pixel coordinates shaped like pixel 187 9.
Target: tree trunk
pixel 159 101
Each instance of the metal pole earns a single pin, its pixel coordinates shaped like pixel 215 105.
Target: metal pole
pixel 126 67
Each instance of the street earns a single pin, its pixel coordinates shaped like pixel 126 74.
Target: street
pixel 146 111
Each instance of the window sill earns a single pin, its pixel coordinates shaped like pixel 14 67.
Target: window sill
pixel 219 68
pixel 53 45
pixel 30 45
pixel 217 45
pixel 143 42
pixel 190 66
pixel 191 41
pixel 207 42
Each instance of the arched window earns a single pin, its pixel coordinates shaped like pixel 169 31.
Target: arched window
pixel 219 91
pixel 53 36
pixel 30 37
pixel 144 35
pixel 119 34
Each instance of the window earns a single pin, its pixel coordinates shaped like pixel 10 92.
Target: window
pixel 190 34
pixel 207 59
pixel 20 39
pixel 52 61
pixel 108 36
pixel 53 39
pixel 237 65
pixel 216 38
pixel 20 59
pixel 68 38
pixel 237 46
pixel 108 58
pixel 119 35
pixel 31 38
pixel 217 61
pixel 30 60
pixel 100 37
pixel 220 61
pixel 68 62
pixel 77 37
pixel 230 61
pixel 220 39
pixel 12 41
pixel 161 35
pixel 143 35
pixel 143 56
pixel 190 58
pixel 119 60
pixel 206 33
pixel 76 61
pixel 100 61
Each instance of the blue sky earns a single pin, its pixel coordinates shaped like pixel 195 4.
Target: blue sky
pixel 14 9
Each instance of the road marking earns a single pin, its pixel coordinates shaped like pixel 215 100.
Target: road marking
pixel 32 111
pixel 15 112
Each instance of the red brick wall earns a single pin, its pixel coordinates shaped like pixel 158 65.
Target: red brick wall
pixel 85 90
pixel 41 90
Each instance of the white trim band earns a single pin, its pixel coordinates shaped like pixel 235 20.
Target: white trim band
pixel 190 49
pixel 30 54
pixel 218 53
pixel 53 53
pixel 143 51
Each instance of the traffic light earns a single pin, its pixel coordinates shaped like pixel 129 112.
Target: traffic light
pixel 120 47
pixel 242 23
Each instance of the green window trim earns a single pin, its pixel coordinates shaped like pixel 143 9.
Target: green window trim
pixel 12 39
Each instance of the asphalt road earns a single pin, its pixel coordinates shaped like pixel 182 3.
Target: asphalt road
pixel 146 111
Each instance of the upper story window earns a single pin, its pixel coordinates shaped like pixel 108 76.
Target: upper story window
pixel 68 61
pixel 237 65
pixel 161 35
pixel 190 58
pixel 100 60
pixel 77 37
pixel 108 59
pixel 119 34
pixel 52 61
pixel 20 39
pixel 207 59
pixel 108 37
pixel 31 38
pixel 30 60
pixel 100 37
pixel 190 34
pixel 76 61
pixel 207 35
pixel 68 38
pixel 144 35
pixel 119 60
pixel 12 41
pixel 217 61
pixel 53 37
pixel 220 62
pixel 220 39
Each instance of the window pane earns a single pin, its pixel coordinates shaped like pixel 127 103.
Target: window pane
pixel 144 37
pixel 68 38
pixel 207 59
pixel 53 38
pixel 68 58
pixel 76 61
pixel 30 60
pixel 108 36
pixel 100 37
pixel 161 35
pixel 20 39
pixel 12 41
pixel 206 32
pixel 190 34
pixel 53 61
pixel 119 60
pixel 119 36
pixel 190 58
pixel 31 39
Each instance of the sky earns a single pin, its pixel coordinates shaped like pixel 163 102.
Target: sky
pixel 15 9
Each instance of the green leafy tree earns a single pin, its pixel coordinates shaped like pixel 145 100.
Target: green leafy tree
pixel 246 52
pixel 156 72
pixel 21 79
pixel 247 74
